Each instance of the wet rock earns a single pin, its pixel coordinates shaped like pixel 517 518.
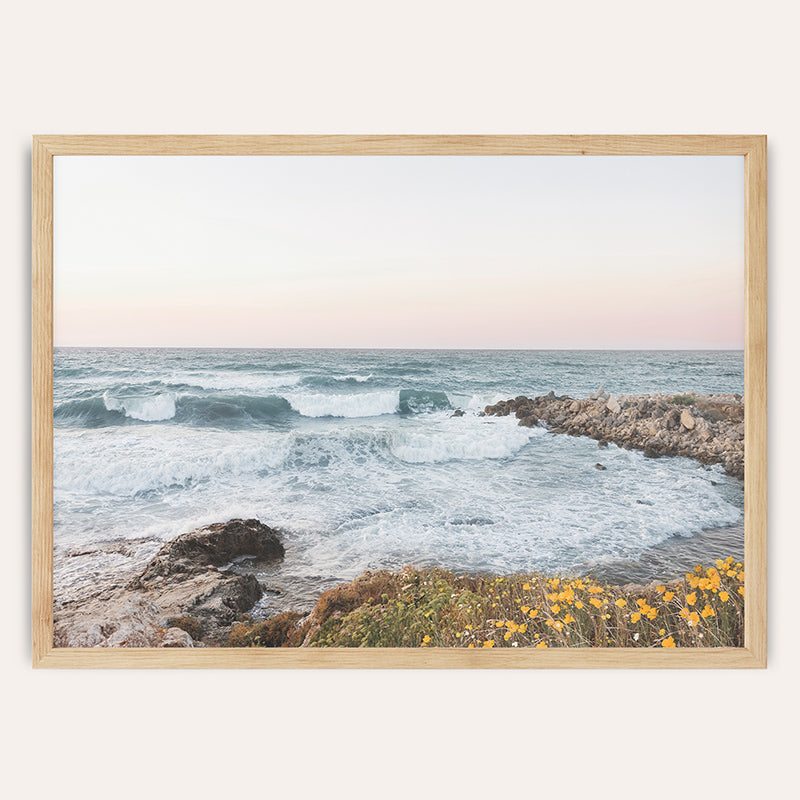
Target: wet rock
pixel 712 432
pixel 175 637
pixel 600 467
pixel 212 546
pixel 124 620
pixel 184 577
pixel 457 413
pixel 599 395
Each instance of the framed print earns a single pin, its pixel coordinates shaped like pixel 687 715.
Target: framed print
pixel 399 401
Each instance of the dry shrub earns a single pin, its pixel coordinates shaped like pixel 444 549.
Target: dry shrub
pixel 367 588
pixel 278 631
pixel 191 625
pixel 435 608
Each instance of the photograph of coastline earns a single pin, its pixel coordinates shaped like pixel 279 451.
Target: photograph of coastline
pixel 398 401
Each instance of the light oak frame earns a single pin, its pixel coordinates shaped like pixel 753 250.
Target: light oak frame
pixel 754 652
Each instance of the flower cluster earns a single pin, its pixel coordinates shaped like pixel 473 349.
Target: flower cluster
pixel 704 609
pixel 435 608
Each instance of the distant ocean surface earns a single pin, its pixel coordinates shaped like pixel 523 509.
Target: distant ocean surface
pixel 355 456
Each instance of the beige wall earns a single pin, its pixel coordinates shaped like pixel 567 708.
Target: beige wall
pixel 412 67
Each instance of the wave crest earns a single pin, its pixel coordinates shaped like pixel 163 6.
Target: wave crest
pixel 369 404
pixel 152 408
pixel 124 405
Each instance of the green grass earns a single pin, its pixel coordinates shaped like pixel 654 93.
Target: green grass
pixel 435 608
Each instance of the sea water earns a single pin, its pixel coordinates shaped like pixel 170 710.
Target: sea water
pixel 356 458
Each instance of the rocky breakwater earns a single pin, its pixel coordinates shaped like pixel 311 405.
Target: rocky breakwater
pixel 182 598
pixel 708 428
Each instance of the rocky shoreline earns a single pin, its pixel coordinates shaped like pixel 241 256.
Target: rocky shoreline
pixel 708 428
pixel 187 596
pixel 184 597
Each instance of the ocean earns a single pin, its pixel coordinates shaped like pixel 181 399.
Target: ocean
pixel 356 458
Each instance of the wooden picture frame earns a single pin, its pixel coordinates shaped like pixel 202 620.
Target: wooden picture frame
pixel 754 652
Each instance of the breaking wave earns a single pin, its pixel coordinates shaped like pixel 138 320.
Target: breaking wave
pixel 173 460
pixel 239 410
pixel 152 408
pixel 370 404
pixel 179 458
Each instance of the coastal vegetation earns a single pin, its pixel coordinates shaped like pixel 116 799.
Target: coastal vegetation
pixel 436 608
pixel 279 631
pixel 189 594
pixel 191 625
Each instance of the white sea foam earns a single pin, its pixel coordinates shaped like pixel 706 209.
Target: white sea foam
pixel 125 463
pixel 381 489
pixel 546 508
pixel 148 408
pixel 345 505
pixel 479 402
pixel 356 378
pixel 238 382
pixel 460 438
pixel 369 404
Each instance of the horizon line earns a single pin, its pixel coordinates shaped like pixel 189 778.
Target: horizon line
pixel 424 349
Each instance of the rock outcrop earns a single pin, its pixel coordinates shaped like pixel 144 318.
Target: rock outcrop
pixel 708 428
pixel 213 546
pixel 183 579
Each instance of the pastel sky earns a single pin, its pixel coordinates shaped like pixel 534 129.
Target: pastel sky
pixel 529 252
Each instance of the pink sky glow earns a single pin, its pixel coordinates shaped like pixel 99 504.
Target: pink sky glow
pixel 411 252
